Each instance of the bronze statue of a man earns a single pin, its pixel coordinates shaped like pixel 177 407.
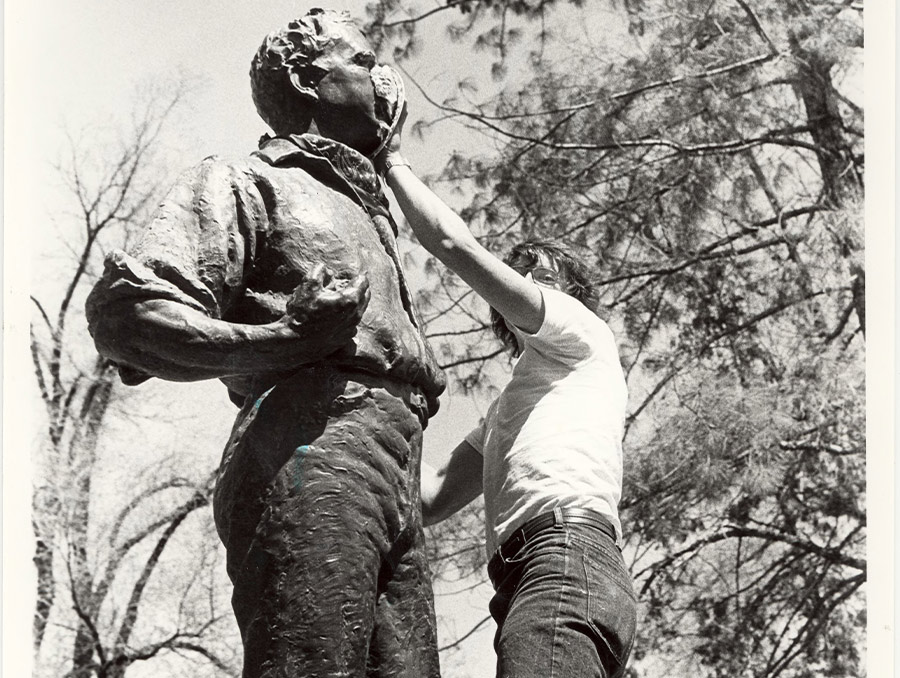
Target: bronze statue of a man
pixel 279 275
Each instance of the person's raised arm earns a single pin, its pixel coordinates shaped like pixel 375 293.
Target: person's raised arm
pixel 448 489
pixel 446 236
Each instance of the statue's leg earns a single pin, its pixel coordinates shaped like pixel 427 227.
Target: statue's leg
pixel 311 505
pixel 321 549
pixel 404 640
pixel 404 644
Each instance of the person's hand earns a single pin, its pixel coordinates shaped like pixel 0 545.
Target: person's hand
pixel 393 144
pixel 325 308
pixel 391 151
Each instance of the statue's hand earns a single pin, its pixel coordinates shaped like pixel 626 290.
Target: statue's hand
pixel 326 307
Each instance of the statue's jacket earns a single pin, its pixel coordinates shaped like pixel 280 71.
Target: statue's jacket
pixel 234 238
pixel 322 465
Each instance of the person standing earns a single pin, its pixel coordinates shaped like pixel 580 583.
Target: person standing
pixel 547 456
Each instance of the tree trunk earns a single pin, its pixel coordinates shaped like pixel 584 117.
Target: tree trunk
pixel 83 453
pixel 46 585
pixel 841 178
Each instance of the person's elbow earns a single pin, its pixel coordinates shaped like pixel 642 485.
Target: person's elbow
pixel 429 518
pixel 438 495
pixel 433 513
pixel 430 490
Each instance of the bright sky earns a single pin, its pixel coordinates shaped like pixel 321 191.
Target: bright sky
pixel 78 63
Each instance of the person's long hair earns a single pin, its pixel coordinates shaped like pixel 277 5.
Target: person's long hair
pixel 576 276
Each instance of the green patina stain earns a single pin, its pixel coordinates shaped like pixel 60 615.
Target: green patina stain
pixel 297 466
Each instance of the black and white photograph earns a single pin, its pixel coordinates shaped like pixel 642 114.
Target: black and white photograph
pixel 461 338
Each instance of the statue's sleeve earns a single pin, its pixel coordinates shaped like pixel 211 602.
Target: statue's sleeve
pixel 194 252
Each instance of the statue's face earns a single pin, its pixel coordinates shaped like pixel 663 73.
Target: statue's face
pixel 346 108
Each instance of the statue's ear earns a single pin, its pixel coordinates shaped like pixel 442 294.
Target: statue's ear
pixel 306 89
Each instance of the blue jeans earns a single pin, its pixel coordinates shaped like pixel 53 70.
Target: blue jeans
pixel 564 606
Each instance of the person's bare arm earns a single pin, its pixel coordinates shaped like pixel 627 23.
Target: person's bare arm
pixel 176 342
pixel 448 489
pixel 446 236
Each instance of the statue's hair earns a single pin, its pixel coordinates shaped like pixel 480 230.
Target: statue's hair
pixel 575 274
pixel 293 48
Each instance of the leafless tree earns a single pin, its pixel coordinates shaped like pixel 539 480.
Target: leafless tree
pixel 98 552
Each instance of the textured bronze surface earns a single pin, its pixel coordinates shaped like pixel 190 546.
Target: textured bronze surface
pixel 279 275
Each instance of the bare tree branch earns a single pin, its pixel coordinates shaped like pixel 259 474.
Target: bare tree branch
pixel 88 622
pixel 732 531
pixel 466 635
pixel 759 317
pixel 37 360
pixel 137 591
pixel 758 26
pixel 208 654
pixel 457 333
pixel 449 4
pixel 472 359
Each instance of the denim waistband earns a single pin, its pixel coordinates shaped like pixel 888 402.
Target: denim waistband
pixel 558 516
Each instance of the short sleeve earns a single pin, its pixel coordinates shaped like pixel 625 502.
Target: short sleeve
pixel 196 248
pixel 570 332
pixel 194 252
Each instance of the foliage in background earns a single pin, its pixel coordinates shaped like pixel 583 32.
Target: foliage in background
pixel 711 167
pixel 119 582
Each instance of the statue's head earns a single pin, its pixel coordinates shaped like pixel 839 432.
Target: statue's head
pixel 320 68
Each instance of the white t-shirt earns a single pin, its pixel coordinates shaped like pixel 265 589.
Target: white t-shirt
pixel 553 438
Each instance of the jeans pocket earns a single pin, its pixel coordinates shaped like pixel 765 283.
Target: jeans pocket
pixel 510 567
pixel 550 538
pixel 611 606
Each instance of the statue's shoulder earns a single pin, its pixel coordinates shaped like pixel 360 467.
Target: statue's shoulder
pixel 216 172
pixel 222 163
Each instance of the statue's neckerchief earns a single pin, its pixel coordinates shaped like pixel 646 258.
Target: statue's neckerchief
pixel 332 163
pixel 350 172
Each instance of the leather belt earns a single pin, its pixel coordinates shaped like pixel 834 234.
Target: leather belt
pixel 565 516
